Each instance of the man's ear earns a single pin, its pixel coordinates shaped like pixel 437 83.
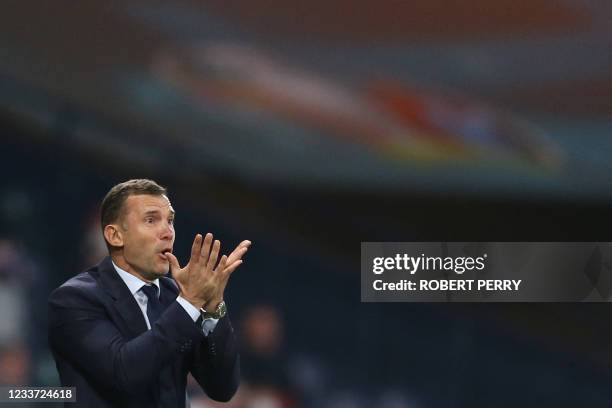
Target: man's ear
pixel 113 235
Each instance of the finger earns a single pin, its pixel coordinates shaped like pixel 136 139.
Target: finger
pixel 244 244
pixel 222 263
pixel 237 254
pixel 232 267
pixel 204 254
pixel 214 254
pixel 174 263
pixel 195 249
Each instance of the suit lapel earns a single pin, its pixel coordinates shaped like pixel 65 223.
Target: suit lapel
pixel 168 291
pixel 124 303
pixel 130 313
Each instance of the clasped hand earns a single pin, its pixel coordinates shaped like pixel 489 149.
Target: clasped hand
pixel 202 281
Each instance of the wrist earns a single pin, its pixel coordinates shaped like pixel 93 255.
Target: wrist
pixel 211 305
pixel 217 313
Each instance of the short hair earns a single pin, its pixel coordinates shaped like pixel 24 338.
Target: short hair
pixel 112 204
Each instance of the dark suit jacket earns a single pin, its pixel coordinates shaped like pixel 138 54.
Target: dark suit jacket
pixel 101 345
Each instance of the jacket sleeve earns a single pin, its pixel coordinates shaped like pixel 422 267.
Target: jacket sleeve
pixel 81 332
pixel 216 362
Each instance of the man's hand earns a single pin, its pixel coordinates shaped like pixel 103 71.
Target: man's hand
pixel 202 281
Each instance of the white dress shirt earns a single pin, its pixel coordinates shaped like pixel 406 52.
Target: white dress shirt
pixel 135 284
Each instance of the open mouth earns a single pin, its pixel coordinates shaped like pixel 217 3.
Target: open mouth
pixel 163 252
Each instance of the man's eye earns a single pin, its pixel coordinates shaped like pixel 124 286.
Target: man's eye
pixel 149 220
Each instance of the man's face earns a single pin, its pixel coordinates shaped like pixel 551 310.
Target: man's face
pixel 147 224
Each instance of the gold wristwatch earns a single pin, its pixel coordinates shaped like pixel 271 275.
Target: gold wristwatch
pixel 219 312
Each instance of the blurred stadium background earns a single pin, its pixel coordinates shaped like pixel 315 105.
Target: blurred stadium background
pixel 308 127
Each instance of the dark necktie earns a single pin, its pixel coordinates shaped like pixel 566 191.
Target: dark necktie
pixel 154 306
pixel 164 385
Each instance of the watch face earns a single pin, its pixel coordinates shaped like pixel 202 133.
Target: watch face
pixel 217 314
pixel 221 310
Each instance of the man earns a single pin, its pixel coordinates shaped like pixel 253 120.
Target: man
pixel 123 333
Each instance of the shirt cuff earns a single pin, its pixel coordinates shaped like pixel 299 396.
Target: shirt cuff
pixel 193 311
pixel 208 325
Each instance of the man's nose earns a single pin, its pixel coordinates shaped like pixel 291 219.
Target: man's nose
pixel 168 231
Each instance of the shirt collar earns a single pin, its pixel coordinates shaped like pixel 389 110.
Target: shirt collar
pixel 134 283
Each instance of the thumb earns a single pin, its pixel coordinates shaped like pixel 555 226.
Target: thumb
pixel 174 263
